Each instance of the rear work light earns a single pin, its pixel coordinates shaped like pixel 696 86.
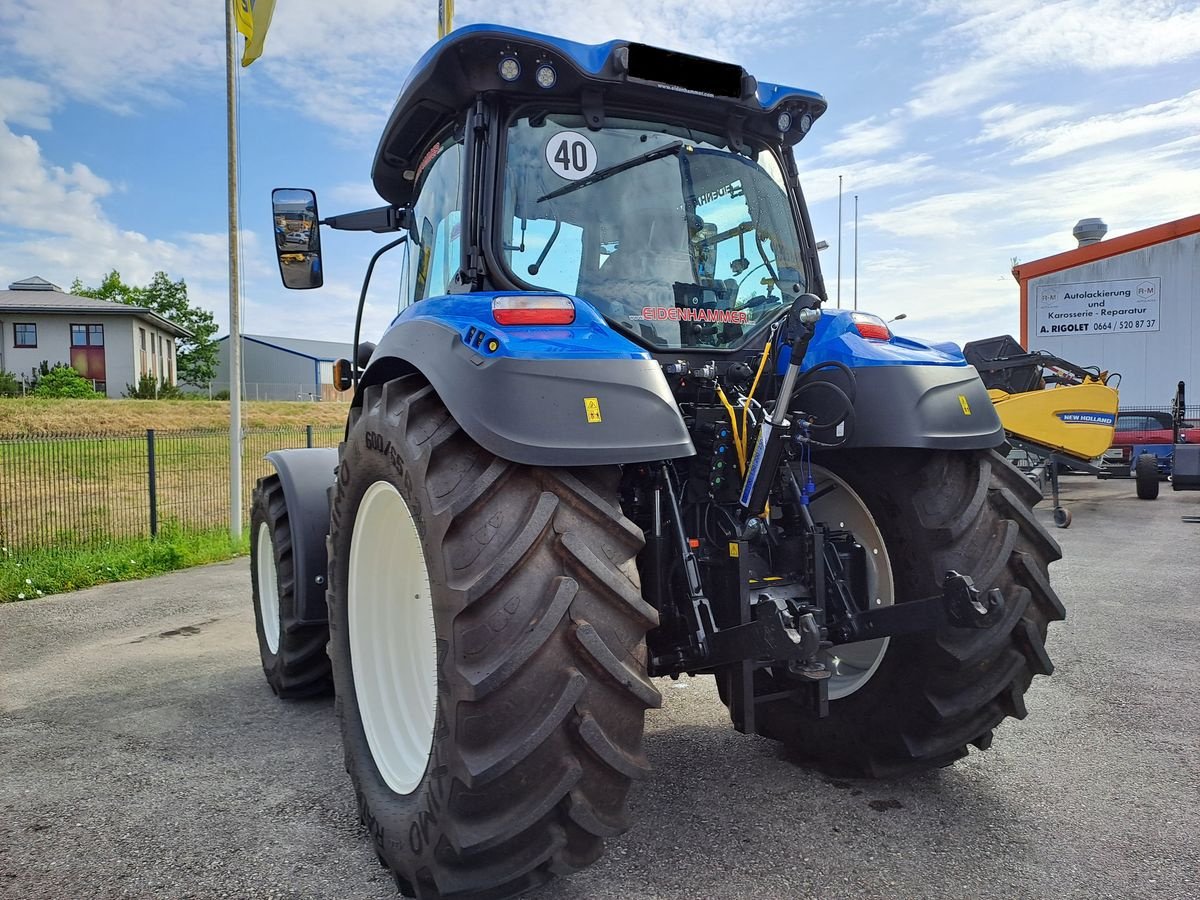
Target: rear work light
pixel 533 311
pixel 871 327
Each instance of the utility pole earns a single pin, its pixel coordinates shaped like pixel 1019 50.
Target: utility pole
pixel 235 337
pixel 856 251
pixel 839 263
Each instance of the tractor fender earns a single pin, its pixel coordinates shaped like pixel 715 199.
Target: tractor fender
pixel 908 393
pixel 558 401
pixel 306 476
pixel 934 407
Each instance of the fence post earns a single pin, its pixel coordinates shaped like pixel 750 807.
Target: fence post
pixel 308 436
pixel 153 483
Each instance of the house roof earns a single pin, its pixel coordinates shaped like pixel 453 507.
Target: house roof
pixel 1135 240
pixel 324 351
pixel 38 296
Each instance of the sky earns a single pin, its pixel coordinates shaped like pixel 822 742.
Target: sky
pixel 972 133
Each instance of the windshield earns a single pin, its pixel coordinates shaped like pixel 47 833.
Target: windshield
pixel 669 234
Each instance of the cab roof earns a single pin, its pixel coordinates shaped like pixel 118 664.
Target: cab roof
pixel 597 78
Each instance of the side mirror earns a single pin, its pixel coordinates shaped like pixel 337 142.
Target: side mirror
pixel 297 237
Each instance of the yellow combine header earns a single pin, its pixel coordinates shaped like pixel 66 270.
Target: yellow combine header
pixel 1054 410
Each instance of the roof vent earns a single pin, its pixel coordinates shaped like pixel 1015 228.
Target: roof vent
pixel 35 283
pixel 1089 231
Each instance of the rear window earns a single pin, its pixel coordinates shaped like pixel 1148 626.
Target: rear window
pixel 1143 421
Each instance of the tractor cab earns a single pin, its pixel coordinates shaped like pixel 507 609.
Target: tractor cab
pixel 655 186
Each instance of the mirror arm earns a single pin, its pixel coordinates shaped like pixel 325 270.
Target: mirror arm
pixel 362 298
pixel 380 220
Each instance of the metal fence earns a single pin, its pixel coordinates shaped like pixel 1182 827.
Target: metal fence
pixel 81 489
pixel 1191 412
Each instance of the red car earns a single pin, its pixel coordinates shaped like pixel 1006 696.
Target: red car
pixel 1143 426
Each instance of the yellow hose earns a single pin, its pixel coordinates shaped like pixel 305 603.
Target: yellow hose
pixel 737 442
pixel 762 364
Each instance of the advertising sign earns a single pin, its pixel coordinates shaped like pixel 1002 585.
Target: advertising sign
pixel 1127 306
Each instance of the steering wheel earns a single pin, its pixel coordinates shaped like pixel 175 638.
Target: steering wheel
pixel 765 262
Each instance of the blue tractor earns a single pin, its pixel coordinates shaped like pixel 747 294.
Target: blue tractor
pixel 614 434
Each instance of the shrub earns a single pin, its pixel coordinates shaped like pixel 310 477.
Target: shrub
pixel 221 395
pixel 64 382
pixel 150 389
pixel 9 385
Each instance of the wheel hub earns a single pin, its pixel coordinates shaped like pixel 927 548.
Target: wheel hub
pixel 392 637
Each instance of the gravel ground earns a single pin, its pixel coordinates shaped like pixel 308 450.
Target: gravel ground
pixel 142 755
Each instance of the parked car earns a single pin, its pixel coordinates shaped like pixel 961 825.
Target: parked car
pixel 1143 426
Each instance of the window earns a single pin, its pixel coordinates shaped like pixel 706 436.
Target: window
pixel 437 214
pixel 142 370
pixel 670 233
pixel 24 334
pixel 162 359
pixel 87 335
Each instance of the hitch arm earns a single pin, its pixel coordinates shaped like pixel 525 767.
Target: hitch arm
pixel 960 605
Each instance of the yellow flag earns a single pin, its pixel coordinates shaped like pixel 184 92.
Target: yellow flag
pixel 445 17
pixel 253 20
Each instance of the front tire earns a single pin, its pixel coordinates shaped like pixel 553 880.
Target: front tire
pixel 934 693
pixel 488 650
pixel 293 655
pixel 1145 471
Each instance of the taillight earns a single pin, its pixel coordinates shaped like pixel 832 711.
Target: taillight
pixel 871 327
pixel 533 310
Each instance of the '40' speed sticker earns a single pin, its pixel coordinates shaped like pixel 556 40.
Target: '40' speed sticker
pixel 571 155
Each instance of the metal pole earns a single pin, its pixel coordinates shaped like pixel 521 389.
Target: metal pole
pixel 445 17
pixel 856 251
pixel 235 337
pixel 839 261
pixel 153 482
pixel 308 436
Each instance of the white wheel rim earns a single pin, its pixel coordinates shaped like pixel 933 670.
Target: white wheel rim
pixel 392 637
pixel 268 587
pixel 841 508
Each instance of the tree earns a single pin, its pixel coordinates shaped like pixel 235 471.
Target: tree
pixel 196 357
pixel 64 382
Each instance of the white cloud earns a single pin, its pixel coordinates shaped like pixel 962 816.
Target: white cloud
pixel 55 227
pixel 113 54
pixel 25 102
pixel 1000 41
pixel 865 138
pixel 1178 115
pixel 1008 121
pixel 822 183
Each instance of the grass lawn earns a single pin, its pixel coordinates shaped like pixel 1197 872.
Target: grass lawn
pixel 75 484
pixel 22 417
pixel 40 573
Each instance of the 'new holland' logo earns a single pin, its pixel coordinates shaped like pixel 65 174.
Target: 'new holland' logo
pixel 1088 418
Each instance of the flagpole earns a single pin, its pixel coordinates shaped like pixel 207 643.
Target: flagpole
pixel 839 261
pixel 235 337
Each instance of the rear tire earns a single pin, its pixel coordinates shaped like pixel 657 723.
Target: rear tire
pixel 1145 471
pixel 293 655
pixel 535 722
pixel 936 692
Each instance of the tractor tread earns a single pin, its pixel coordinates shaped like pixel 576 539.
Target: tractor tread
pixel 539 731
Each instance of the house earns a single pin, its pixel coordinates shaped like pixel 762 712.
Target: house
pixel 1129 304
pixel 282 368
pixel 110 344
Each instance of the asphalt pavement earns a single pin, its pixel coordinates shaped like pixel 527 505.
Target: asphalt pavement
pixel 143 755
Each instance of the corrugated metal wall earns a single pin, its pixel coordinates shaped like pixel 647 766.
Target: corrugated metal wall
pixel 1151 362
